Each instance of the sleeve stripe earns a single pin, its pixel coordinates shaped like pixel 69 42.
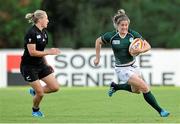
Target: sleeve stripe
pixel 103 40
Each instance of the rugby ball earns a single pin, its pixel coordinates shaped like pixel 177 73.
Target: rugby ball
pixel 136 44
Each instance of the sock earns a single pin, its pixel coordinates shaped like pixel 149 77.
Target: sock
pixel 35 109
pixel 152 101
pixel 126 87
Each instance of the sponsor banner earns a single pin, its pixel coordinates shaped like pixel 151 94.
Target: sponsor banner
pixel 13 63
pixel 76 68
pixel 14 76
pixel 13 70
pixel 161 67
pixel 3 74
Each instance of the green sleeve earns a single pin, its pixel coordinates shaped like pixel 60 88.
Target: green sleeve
pixel 106 37
pixel 135 34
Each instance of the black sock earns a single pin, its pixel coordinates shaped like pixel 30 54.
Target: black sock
pixel 35 109
pixel 152 101
pixel 126 87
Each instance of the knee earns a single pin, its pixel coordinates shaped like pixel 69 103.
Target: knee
pixel 137 92
pixel 39 93
pixel 145 89
pixel 55 88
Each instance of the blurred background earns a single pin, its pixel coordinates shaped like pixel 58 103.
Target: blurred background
pixel 74 26
pixel 77 23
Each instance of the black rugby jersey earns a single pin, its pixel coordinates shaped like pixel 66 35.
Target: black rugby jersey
pixel 34 36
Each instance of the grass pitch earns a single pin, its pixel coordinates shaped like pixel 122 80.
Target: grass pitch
pixel 89 105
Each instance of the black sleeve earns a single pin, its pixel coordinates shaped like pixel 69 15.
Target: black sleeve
pixel 46 36
pixel 30 37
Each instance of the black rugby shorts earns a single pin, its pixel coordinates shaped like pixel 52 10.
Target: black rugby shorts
pixel 33 73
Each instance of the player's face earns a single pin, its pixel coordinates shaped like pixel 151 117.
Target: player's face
pixel 123 27
pixel 44 21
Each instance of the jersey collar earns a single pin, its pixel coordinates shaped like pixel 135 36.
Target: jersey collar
pixel 122 36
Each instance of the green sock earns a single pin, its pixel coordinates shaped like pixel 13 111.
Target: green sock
pixel 126 87
pixel 152 101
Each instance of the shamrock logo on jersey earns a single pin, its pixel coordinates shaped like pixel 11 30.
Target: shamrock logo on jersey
pixel 131 39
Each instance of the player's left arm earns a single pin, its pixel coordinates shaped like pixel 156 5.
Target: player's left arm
pixel 146 47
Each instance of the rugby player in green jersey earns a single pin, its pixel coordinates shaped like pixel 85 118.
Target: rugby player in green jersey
pixel 125 68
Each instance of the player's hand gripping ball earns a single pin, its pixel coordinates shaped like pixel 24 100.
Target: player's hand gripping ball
pixel 135 46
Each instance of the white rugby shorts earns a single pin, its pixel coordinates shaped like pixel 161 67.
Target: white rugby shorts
pixel 124 73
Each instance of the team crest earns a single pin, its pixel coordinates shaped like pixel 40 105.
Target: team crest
pixel 29 40
pixel 38 36
pixel 131 39
pixel 116 42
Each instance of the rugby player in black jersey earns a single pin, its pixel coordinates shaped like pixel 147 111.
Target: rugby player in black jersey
pixel 34 66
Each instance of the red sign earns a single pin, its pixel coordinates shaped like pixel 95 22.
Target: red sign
pixel 13 63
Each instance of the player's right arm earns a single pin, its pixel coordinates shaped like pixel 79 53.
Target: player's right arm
pixel 104 39
pixel 98 44
pixel 30 42
pixel 33 52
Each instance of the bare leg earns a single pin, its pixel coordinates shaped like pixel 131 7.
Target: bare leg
pixel 39 93
pixel 52 84
pixel 138 83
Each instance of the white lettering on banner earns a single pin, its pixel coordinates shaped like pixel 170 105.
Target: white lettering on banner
pixel 76 68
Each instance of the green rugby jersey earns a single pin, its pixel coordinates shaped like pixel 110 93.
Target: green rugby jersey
pixel 120 46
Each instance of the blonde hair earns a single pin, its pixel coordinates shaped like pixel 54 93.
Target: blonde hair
pixel 35 16
pixel 120 16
